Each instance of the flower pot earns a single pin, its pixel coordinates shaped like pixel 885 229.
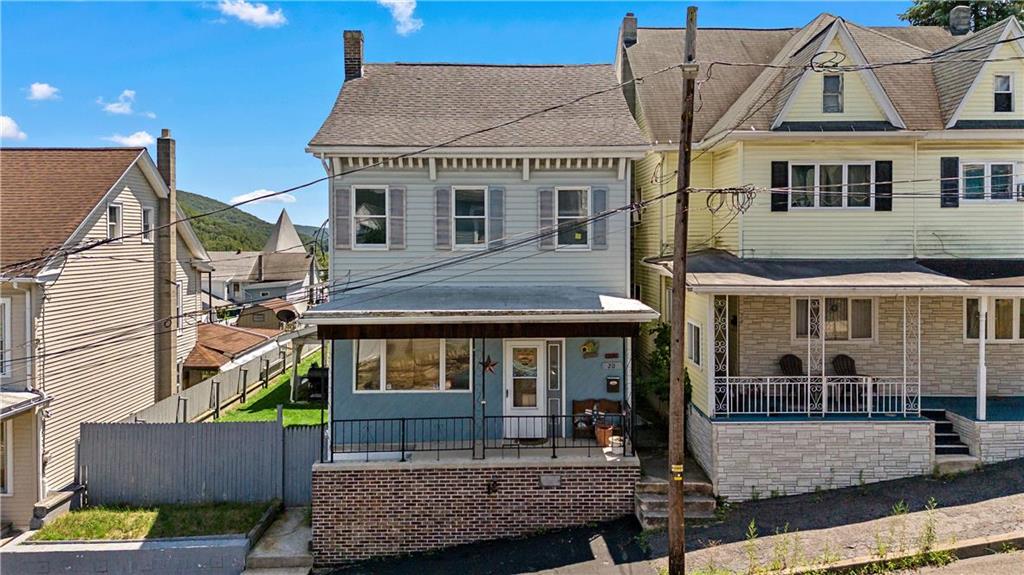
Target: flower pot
pixel 603 434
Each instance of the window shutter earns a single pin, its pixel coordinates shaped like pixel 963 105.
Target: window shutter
pixel 496 216
pixel 949 186
pixel 883 186
pixel 546 211
pixel 599 228
pixel 443 218
pixel 780 180
pixel 396 217
pixel 342 218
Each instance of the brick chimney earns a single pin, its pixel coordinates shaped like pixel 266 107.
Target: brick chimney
pixel 960 20
pixel 166 272
pixel 628 31
pixel 353 54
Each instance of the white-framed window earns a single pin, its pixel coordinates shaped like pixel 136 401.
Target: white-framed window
pixel 982 181
pixel 147 225
pixel 259 317
pixel 832 185
pixel 694 343
pixel 114 227
pixel 413 365
pixel 5 336
pixel 469 216
pixel 842 318
pixel 1005 319
pixel 666 303
pixel 573 205
pixel 370 217
pixel 6 458
pixel 832 94
pixel 180 306
pixel 1003 93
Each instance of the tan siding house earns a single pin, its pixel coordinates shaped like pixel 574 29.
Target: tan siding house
pixel 84 325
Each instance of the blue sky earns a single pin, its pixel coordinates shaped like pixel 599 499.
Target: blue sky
pixel 243 87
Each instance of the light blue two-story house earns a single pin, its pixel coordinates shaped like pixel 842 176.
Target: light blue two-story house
pixel 479 301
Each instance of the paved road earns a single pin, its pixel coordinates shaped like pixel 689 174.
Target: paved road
pixel 1002 564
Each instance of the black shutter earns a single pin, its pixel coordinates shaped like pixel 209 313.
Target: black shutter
pixel 883 186
pixel 949 187
pixel 780 181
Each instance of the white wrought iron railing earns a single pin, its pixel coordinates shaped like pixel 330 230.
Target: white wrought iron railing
pixel 816 395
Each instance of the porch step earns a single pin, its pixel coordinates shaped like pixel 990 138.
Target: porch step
pixel 948 464
pixel 951 438
pixel 944 427
pixel 651 501
pixel 947 440
pixel 660 486
pixel 959 449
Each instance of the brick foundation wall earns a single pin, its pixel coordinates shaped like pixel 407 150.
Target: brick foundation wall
pixel 778 458
pixel 949 363
pixel 362 511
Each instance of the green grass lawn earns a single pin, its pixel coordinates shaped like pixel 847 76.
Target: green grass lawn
pixel 262 406
pixel 153 522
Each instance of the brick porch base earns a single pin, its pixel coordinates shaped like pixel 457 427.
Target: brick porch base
pixel 368 510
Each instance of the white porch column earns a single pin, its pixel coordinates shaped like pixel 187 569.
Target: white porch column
pixel 718 353
pixel 982 368
pixel 296 356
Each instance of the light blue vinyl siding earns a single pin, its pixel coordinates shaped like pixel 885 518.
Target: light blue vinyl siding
pixel 604 271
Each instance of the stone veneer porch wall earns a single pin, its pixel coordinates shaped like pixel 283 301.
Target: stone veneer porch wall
pixel 949 363
pixel 368 510
pixel 990 441
pixel 789 457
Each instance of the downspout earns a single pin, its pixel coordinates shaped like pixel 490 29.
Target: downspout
pixel 915 200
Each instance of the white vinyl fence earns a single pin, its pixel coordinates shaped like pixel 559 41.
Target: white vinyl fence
pixel 153 463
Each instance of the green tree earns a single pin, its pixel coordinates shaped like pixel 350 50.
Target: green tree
pixel 983 13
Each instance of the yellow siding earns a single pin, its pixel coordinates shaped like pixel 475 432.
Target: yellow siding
pixel 727 172
pixel 697 306
pixel 16 507
pixel 858 103
pixel 980 103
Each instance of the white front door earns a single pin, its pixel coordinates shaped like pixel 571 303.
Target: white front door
pixel 525 386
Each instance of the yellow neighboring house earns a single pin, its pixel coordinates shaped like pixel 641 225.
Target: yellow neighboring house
pixel 862 318
pixel 90 337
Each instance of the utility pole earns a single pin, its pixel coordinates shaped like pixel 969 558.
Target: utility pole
pixel 677 406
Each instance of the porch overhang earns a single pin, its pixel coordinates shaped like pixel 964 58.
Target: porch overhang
pixel 719 272
pixel 430 312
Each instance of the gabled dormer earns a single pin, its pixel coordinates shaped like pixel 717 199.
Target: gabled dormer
pixel 821 99
pixel 979 93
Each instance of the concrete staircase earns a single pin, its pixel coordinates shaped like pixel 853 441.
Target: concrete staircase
pixel 652 501
pixel 284 548
pixel 951 454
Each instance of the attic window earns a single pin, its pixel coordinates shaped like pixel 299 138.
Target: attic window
pixel 832 94
pixel 1003 93
pixel 114 222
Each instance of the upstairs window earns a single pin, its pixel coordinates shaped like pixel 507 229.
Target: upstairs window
pixel 987 180
pixel 831 185
pixel 573 205
pixel 1003 93
pixel 114 221
pixel 370 215
pixel 147 224
pixel 832 94
pixel 470 215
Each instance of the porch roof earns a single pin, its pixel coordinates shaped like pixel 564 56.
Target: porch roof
pixel 716 271
pixel 435 311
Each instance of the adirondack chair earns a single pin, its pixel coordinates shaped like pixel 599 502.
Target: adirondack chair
pixel 791 365
pixel 850 395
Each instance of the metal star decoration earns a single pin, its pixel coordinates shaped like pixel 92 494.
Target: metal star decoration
pixel 488 364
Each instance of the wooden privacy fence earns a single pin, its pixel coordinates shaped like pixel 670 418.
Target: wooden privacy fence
pixel 153 463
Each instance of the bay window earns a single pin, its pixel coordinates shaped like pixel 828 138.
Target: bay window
pixel 838 185
pixel 1005 319
pixel 573 205
pixel 470 215
pixel 413 365
pixel 843 319
pixel 370 219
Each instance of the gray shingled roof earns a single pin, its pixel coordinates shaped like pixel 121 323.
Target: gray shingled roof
pixel 955 70
pixel 732 93
pixel 425 104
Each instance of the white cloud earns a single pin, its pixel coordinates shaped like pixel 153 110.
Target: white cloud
pixel 43 91
pixel 257 14
pixel 281 198
pixel 123 105
pixel 135 140
pixel 9 129
pixel 402 12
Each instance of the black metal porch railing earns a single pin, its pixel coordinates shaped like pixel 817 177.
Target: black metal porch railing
pixel 396 438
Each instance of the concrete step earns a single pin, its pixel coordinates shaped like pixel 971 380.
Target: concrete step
pixel 959 449
pixel 934 414
pixel 652 509
pixel 947 439
pixel 947 464
pixel 944 427
pixel 652 485
pixel 285 545
pixel 278 571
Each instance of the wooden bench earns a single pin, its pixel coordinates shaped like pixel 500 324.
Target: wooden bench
pixel 583 422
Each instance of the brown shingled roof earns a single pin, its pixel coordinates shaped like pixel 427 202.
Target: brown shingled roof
pixel 45 193
pixel 218 343
pixel 425 104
